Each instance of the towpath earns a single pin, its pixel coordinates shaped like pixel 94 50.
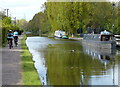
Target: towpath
pixel 11 65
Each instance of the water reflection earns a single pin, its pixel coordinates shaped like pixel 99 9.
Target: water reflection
pixel 104 55
pixel 107 58
pixel 64 62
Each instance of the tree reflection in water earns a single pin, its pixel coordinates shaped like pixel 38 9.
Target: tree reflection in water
pixel 70 63
pixel 67 67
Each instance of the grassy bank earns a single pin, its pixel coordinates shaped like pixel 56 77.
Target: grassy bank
pixel 29 75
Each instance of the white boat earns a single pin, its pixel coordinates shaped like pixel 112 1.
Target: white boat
pixel 59 33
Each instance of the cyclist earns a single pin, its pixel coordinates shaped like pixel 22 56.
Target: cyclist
pixel 10 37
pixel 15 34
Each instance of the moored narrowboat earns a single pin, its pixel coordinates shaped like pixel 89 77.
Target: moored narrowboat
pixel 102 40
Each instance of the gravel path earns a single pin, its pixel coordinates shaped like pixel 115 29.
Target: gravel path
pixel 11 65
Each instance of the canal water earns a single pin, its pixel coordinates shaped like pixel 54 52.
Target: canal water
pixel 69 62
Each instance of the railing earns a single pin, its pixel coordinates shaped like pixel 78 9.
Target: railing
pixel 117 38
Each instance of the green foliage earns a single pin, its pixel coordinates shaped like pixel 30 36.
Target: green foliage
pixel 70 16
pixel 6 24
pixel 39 24
pixel 7 21
pixel 77 15
pixel 22 23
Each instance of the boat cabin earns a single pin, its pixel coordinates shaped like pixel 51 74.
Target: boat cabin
pixel 107 37
pixel 103 36
pixel 98 37
pixel 59 33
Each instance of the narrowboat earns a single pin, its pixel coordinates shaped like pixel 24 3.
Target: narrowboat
pixel 103 40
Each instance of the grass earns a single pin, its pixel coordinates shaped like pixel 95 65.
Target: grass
pixel 29 74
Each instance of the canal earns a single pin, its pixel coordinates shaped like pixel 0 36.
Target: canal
pixel 69 62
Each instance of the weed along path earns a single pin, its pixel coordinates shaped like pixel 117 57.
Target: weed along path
pixel 11 65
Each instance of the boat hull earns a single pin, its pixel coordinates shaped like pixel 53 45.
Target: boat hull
pixel 100 44
pixel 64 37
pixel 57 37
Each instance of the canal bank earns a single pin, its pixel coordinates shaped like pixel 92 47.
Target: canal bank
pixel 29 74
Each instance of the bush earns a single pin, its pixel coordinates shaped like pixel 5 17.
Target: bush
pixel 4 36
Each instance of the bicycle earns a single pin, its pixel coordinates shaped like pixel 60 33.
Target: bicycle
pixel 10 44
pixel 16 40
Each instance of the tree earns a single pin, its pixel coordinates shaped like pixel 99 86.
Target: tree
pixel 71 16
pixel 22 24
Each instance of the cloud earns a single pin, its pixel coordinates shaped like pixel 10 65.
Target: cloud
pixel 20 8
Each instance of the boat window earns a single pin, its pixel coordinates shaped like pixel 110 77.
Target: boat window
pixel 105 38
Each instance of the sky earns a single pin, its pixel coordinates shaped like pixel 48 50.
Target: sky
pixel 23 9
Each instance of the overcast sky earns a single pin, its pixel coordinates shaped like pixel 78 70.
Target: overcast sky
pixel 23 9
